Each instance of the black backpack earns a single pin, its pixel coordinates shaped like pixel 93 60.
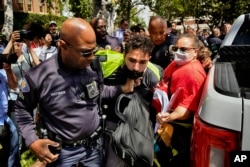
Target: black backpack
pixel 133 139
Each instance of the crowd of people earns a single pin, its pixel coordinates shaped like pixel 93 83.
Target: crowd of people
pixel 58 93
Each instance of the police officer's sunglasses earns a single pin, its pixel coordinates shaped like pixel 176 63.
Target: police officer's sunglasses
pixel 86 53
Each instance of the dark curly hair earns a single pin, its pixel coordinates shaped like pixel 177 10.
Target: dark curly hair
pixel 140 42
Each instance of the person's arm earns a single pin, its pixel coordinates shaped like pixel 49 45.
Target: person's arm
pixel 46 46
pixel 14 37
pixel 180 113
pixel 128 87
pixel 24 106
pixel 207 63
pixel 33 54
pixel 12 81
pixel 47 40
pixel 114 91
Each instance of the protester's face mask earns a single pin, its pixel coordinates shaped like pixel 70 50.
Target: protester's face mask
pixel 132 74
pixel 182 58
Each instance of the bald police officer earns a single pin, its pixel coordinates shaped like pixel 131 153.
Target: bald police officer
pixel 67 90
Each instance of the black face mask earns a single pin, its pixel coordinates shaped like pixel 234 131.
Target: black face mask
pixel 132 74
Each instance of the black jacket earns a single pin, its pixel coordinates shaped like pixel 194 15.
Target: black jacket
pixel 160 54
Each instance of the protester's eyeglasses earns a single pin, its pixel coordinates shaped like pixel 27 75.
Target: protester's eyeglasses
pixel 182 49
pixel 86 53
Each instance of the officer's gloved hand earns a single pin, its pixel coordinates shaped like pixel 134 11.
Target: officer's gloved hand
pixel 3 131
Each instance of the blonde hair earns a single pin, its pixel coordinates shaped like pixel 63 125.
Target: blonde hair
pixel 204 53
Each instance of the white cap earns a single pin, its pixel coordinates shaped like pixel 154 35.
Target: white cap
pixel 52 22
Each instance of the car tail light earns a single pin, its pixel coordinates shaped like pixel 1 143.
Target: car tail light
pixel 211 146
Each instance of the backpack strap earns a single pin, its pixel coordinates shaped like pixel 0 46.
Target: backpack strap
pixel 128 97
pixel 118 106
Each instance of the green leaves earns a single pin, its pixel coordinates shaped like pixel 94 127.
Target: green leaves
pixel 82 8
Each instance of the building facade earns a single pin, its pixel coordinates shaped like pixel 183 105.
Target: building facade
pixel 34 6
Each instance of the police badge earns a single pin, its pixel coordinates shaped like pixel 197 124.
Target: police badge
pixel 24 87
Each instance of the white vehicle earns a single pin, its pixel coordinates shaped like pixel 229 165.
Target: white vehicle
pixel 222 123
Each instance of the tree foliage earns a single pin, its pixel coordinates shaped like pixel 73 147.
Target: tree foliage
pixel 171 8
pixel 82 8
pixel 220 10
pixel 21 19
pixel 129 10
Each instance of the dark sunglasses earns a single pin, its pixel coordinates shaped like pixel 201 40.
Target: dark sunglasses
pixel 182 49
pixel 83 54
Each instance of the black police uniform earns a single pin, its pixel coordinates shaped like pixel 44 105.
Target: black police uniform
pixel 161 55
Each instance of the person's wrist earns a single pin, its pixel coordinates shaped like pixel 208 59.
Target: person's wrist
pixel 169 118
pixel 128 86
pixel 8 70
pixel 12 40
pixel 123 88
pixel 126 89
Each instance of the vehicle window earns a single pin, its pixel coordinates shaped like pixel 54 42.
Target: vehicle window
pixel 243 35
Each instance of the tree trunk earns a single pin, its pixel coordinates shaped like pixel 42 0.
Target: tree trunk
pixel 107 12
pixel 8 18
